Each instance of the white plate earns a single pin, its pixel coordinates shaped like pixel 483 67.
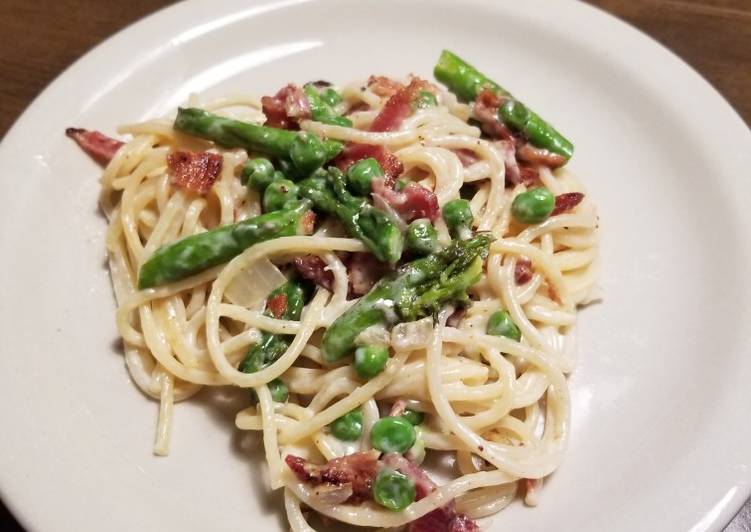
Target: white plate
pixel 661 432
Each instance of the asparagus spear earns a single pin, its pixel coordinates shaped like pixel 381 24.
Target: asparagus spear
pixel 272 346
pixel 272 141
pixel 417 289
pixel 328 191
pixel 196 253
pixel 467 82
pixel 321 111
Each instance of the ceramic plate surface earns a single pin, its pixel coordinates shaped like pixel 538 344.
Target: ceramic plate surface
pixel 661 433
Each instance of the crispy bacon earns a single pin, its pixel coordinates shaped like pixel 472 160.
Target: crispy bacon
pixel 540 156
pixel 523 271
pixel 443 519
pixel 398 107
pixel 528 175
pixel 99 146
pixel 195 171
pixel 392 166
pixel 364 272
pixel 286 108
pixel 277 305
pixel 308 223
pixel 423 484
pixel 414 202
pixel 313 268
pixel 486 112
pixel 357 470
pixel 383 86
pixel 466 157
pixel 566 202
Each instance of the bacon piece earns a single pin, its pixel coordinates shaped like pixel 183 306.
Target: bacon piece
pixel 392 166
pixel 286 108
pixel 383 86
pixel 414 202
pixel 398 408
pixel 523 271
pixel 277 305
pixel 195 171
pixel 308 223
pixel 364 272
pixel 99 146
pixel 566 202
pixel 466 157
pixel 486 112
pixel 313 268
pixel 423 484
pixel 540 156
pixel 398 107
pixel 358 470
pixel 444 519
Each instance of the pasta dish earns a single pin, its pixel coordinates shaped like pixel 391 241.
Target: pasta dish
pixel 391 268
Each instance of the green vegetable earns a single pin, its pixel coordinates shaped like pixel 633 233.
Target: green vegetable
pixel 533 206
pixel 392 435
pixel 307 152
pixel 422 238
pixel 370 360
pixel 272 346
pixel 424 100
pixel 361 174
pixel 417 289
pixel 257 173
pixel 501 324
pixel 458 217
pixel 329 194
pixel 349 426
pixel 320 108
pixel 413 416
pixel 272 141
pixel 402 183
pixel 393 490
pixel 279 391
pixel 467 82
pixel 199 252
pixel 331 97
pixel 279 194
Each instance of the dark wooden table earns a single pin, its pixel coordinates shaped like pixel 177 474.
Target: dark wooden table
pixel 41 38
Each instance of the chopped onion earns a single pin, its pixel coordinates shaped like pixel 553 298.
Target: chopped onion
pixel 332 493
pixel 253 285
pixel 374 335
pixel 380 203
pixel 412 335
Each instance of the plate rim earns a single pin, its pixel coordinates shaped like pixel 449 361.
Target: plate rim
pixel 23 510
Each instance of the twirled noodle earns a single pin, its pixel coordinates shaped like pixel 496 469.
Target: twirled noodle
pixel 500 406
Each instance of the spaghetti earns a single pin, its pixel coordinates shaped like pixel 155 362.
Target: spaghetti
pixel 495 401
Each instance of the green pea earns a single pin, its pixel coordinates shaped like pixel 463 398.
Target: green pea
pixel 278 193
pixel 393 490
pixel 339 121
pixel 413 416
pixel 457 214
pixel 257 173
pixel 307 152
pixel 392 435
pixel 361 174
pixel 424 100
pixel 349 426
pixel 514 114
pixel 533 206
pixel 501 324
pixel 422 238
pixel 370 360
pixel 279 391
pixel 331 97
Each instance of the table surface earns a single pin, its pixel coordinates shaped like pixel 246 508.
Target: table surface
pixel 713 36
